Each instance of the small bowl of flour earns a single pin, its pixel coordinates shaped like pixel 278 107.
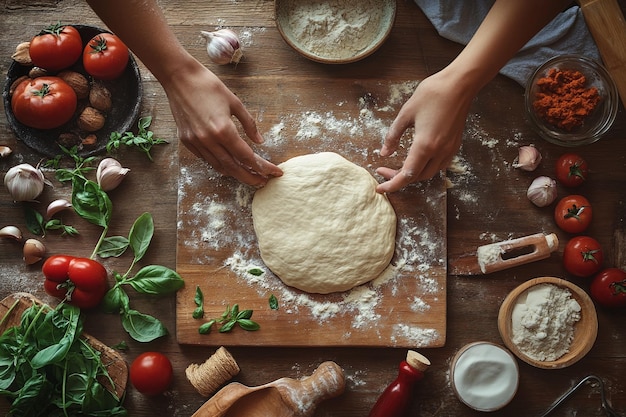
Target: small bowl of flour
pixel 335 31
pixel 548 322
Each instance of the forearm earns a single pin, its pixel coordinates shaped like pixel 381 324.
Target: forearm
pixel 155 44
pixel 509 25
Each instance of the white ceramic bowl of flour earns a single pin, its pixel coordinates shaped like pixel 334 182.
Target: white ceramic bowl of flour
pixel 335 31
pixel 548 322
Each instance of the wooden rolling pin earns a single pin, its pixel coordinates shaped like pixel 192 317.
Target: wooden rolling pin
pixel 605 21
pixel 284 397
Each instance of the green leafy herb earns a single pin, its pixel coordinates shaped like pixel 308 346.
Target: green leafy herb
pixel 230 317
pixel 144 140
pixel 257 272
pixel 198 298
pixel 48 369
pixel 273 302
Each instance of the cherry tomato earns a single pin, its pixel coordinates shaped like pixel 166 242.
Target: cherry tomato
pixel 56 47
pixel 573 213
pixel 608 288
pixel 582 256
pixel 151 373
pixel 105 56
pixel 81 281
pixel 571 170
pixel 43 102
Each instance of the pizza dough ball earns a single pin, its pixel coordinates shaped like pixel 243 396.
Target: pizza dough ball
pixel 322 227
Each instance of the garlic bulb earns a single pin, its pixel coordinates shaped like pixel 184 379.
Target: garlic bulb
pixel 542 191
pixel 223 46
pixel 12 232
pixel 56 206
pixel 24 182
pixel 34 251
pixel 110 174
pixel 528 158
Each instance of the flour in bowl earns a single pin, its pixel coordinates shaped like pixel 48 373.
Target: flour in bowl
pixel 543 322
pixel 335 28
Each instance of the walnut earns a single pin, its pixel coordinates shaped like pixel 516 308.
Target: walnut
pixel 37 72
pixel 100 97
pixel 91 120
pixel 22 54
pixel 77 81
pixel 68 139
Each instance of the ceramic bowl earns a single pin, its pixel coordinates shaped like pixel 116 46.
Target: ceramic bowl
pixel 585 329
pixel 332 34
pixel 596 123
pixel 126 92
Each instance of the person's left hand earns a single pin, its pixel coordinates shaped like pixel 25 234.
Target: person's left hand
pixel 437 110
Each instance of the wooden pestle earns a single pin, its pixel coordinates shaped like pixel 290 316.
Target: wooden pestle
pixel 285 397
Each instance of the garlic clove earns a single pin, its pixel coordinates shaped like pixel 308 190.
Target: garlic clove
pixel 542 191
pixel 223 46
pixel 34 251
pixel 57 206
pixel 12 232
pixel 110 174
pixel 5 151
pixel 24 182
pixel 528 158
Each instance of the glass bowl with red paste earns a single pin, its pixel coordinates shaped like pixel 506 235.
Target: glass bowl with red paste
pixel 571 100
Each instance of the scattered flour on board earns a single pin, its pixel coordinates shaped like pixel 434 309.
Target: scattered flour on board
pixel 214 223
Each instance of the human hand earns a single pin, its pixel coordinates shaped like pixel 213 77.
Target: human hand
pixel 203 107
pixel 437 110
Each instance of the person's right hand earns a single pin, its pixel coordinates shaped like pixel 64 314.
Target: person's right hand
pixel 203 107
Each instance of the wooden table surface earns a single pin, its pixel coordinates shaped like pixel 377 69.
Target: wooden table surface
pixel 486 203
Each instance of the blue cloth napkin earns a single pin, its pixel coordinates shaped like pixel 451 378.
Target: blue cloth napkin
pixel 458 20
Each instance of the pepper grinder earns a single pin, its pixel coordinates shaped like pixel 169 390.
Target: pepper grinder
pixel 395 400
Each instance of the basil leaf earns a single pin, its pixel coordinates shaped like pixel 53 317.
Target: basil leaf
pixel 248 325
pixel 198 312
pixel 34 221
pixel 206 327
pixel 63 322
pixel 142 327
pixel 115 300
pixel 256 271
pixel 90 202
pixel 228 326
pixel 273 302
pixel 156 279
pixel 141 234
pixel 113 246
pixel 244 314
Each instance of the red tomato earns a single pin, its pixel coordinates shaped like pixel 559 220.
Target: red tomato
pixel 82 281
pixel 151 373
pixel 582 256
pixel 573 213
pixel 105 56
pixel 571 170
pixel 608 288
pixel 43 102
pixel 56 47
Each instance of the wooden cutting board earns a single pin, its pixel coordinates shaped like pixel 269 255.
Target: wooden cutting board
pixel 11 309
pixel 217 248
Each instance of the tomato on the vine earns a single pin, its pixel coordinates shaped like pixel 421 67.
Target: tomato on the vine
pixel 43 102
pixel 81 281
pixel 608 288
pixel 151 373
pixel 573 213
pixel 571 169
pixel 56 47
pixel 105 56
pixel 582 256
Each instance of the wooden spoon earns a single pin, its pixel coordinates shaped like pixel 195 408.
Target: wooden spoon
pixel 284 397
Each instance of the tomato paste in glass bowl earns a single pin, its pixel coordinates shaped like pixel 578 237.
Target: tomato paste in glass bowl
pixel 571 100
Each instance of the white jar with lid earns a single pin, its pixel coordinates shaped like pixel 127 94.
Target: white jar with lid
pixel 484 376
